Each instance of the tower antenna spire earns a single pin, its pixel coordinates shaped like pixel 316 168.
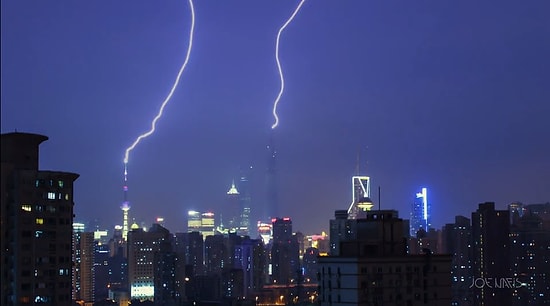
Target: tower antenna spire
pixel 366 160
pixel 357 162
pixel 125 204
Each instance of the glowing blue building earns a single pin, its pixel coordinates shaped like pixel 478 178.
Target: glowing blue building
pixel 420 213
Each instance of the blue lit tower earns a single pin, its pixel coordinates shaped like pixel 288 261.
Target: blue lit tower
pixel 420 213
pixel 125 205
pixel 272 188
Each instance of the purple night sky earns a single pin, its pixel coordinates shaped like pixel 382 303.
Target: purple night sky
pixel 450 95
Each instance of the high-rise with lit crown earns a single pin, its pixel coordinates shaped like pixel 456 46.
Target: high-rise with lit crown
pixel 232 209
pixel 36 225
pixel 420 213
pixel 360 202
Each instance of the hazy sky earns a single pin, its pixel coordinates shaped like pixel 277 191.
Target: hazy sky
pixel 450 95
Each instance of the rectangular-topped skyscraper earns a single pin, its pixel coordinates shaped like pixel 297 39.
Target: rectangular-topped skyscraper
pixel 36 226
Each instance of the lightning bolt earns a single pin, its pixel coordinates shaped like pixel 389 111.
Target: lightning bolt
pixel 167 99
pixel 276 103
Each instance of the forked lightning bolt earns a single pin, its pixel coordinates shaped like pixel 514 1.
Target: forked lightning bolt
pixel 276 103
pixel 153 124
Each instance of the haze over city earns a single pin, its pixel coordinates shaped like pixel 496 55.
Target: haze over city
pixel 449 96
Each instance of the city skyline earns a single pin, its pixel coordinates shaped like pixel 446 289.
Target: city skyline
pixel 425 97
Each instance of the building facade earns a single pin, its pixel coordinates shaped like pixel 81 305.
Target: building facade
pixel 373 268
pixel 83 267
pixel 491 254
pixel 152 266
pixel 36 217
pixel 285 260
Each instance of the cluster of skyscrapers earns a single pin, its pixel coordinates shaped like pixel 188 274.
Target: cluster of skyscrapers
pixel 370 256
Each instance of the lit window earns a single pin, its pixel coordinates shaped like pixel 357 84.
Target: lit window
pixel 39 221
pixel 26 207
pixel 51 195
pixel 66 197
pixel 60 183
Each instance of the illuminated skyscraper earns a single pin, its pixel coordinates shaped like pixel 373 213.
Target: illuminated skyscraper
pixel 193 221
pixel 420 213
pixel 150 258
pixel 530 258
pixel 83 259
pixel 201 222
pixel 360 190
pixel 36 217
pixel 265 230
pixel 207 224
pixel 232 209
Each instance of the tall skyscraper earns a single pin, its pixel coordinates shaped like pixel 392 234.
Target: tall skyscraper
pixel 285 261
pixel 457 240
pixel 216 254
pixel 530 260
pixel 36 220
pixel 245 202
pixel 83 263
pixel 193 221
pixel 341 228
pixel 150 257
pixel 420 213
pixel 232 209
pixel 250 257
pixel 272 200
pixel 203 223
pixel 208 224
pixel 491 247
pixel 190 246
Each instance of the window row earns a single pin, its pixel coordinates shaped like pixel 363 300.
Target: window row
pixel 45 208
pixel 51 183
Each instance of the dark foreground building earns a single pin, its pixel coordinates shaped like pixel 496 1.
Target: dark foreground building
pixel 373 267
pixel 36 221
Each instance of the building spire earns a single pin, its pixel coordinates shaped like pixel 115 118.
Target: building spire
pixel 125 205
pixel 233 189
